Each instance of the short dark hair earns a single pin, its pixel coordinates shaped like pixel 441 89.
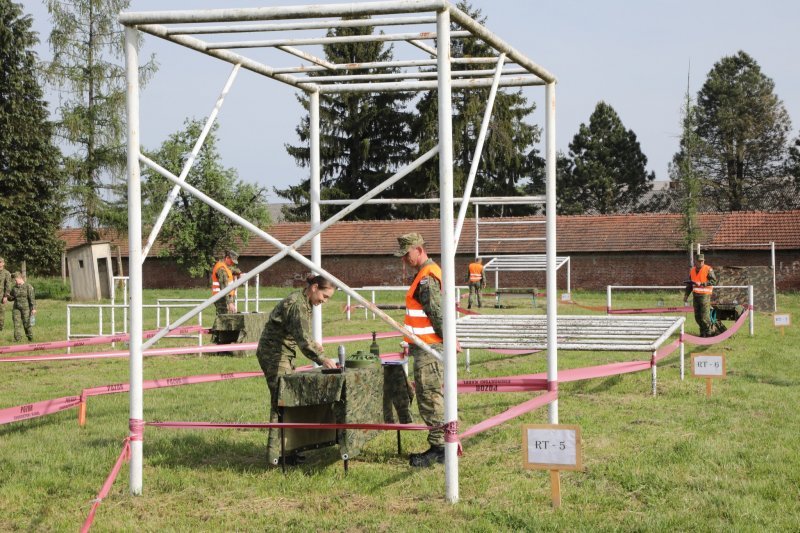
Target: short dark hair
pixel 320 281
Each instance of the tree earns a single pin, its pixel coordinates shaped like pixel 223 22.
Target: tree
pixel 364 137
pixel 742 126
pixel 31 184
pixel 194 233
pixel 508 160
pixel 608 167
pixel 86 71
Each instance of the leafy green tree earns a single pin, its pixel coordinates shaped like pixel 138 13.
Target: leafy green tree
pixel 742 126
pixel 364 137
pixel 194 233
pixel 31 183
pixel 88 72
pixel 608 167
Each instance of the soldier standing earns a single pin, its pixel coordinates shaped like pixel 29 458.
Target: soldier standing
pixel 289 327
pixel 703 279
pixel 221 277
pixel 424 319
pixel 6 282
pixel 476 280
pixel 24 307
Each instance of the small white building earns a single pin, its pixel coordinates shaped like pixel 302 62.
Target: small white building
pixel 90 273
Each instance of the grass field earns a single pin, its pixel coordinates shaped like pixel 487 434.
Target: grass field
pixel 675 462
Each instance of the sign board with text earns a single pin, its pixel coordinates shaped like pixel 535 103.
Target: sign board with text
pixel 708 365
pixel 551 447
pixel 782 320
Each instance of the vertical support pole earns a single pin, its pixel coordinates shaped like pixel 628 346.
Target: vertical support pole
pixel 125 309
pixel 134 260
pixel 258 291
pixel 314 193
pixel 683 368
pixel 69 327
pixel 653 371
pixel 752 309
pixel 373 303
pixel 608 299
pixel 550 246
pixel 477 232
pixel 774 279
pixel 349 302
pixel 569 277
pixel 448 249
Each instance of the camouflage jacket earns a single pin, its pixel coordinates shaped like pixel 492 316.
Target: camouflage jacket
pixel 6 283
pixel 288 328
pixel 23 296
pixel 429 294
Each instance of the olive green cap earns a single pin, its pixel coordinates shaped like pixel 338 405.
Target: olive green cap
pixel 407 241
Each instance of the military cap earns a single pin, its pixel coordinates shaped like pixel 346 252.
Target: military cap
pixel 700 257
pixel 17 274
pixel 234 256
pixel 407 241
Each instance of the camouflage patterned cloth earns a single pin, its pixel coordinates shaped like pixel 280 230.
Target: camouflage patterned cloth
pixel 429 380
pixel 24 303
pixel 397 395
pixel 702 305
pixel 475 287
pixel 354 398
pixel 6 283
pixel 288 328
pixel 238 328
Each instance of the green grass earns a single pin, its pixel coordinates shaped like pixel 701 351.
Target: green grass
pixel 676 462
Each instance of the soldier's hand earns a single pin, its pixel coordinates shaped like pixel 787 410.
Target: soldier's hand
pixel 231 307
pixel 328 363
pixel 5 300
pixel 318 347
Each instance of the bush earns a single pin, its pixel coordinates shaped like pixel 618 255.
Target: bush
pixel 50 288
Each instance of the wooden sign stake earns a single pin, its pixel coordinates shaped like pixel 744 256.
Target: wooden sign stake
pixel 708 387
pixel 555 488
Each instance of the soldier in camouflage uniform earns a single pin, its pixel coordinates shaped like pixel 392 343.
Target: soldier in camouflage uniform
pixel 703 279
pixel 24 306
pixel 221 277
pixel 397 394
pixel 6 282
pixel 288 328
pixel 424 318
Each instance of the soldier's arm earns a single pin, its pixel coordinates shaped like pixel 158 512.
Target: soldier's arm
pixel 299 326
pixel 712 277
pixel 430 296
pixel 31 297
pixel 222 276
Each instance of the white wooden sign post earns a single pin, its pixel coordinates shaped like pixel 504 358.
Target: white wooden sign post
pixel 709 366
pixel 552 447
pixel 782 321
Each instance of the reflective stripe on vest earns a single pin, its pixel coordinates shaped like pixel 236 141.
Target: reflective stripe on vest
pixel 215 288
pixel 700 277
pixel 416 320
pixel 475 272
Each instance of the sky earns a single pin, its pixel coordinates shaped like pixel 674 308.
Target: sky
pixel 635 56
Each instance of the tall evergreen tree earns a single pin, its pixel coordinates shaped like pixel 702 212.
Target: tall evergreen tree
pixel 88 72
pixel 364 137
pixel 609 172
pixel 31 183
pixel 683 173
pixel 509 158
pixel 743 128
pixel 195 232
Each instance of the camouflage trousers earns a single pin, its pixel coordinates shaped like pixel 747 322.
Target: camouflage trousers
pixel 476 288
pixel 429 380
pixel 702 313
pixel 22 319
pixel 274 368
pixel 2 315
pixel 397 394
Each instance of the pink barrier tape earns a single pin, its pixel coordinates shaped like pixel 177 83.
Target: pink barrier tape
pixel 601 308
pixel 169 382
pixel 706 341
pixel 123 456
pixel 650 310
pixel 514 412
pixel 664 351
pixel 501 385
pixel 136 426
pixel 466 311
pixel 361 337
pixel 612 369
pixel 108 339
pixel 552 386
pixel 35 410
pixel 286 425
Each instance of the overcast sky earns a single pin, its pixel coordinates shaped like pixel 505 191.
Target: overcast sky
pixel 635 56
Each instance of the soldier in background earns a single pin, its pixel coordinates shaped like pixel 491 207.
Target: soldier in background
pixel 424 319
pixel 221 277
pixel 703 279
pixel 288 328
pixel 24 306
pixel 6 282
pixel 476 280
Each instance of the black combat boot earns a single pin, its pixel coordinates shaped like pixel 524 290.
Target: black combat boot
pixel 434 454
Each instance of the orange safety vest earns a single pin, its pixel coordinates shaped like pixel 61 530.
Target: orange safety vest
pixel 416 319
pixel 215 288
pixel 700 277
pixel 475 272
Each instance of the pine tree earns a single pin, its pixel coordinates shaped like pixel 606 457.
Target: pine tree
pixel 31 184
pixel 609 169
pixel 88 73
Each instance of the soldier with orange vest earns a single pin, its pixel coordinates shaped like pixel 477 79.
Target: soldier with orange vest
pixel 424 319
pixel 703 279
pixel 475 280
pixel 221 277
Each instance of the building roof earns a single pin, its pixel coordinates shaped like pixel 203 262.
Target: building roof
pixel 576 234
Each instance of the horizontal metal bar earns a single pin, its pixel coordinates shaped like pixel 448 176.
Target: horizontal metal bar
pixel 482 239
pixel 391 64
pixel 516 81
pixel 315 25
pixel 496 199
pixel 372 38
pixel 406 75
pixel 511 223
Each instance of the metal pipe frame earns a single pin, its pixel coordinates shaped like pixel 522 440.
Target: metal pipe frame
pixel 321 25
pixel 390 64
pixel 485 200
pixel 380 38
pixel 512 81
pixel 413 75
pixel 771 246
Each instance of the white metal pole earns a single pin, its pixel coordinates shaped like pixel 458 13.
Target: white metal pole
pixel 654 371
pixel 752 309
pixel 569 276
pixel 477 228
pixel 774 279
pixel 608 299
pixel 314 198
pixel 136 416
pixel 125 309
pixel 373 303
pixel 69 327
pixel 448 250
pixel 258 292
pixel 349 301
pixel 682 353
pixel 550 228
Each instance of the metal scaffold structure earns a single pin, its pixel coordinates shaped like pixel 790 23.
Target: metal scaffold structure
pixel 231 35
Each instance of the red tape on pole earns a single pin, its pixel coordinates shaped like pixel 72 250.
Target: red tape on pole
pixel 514 412
pixel 288 425
pixel 123 456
